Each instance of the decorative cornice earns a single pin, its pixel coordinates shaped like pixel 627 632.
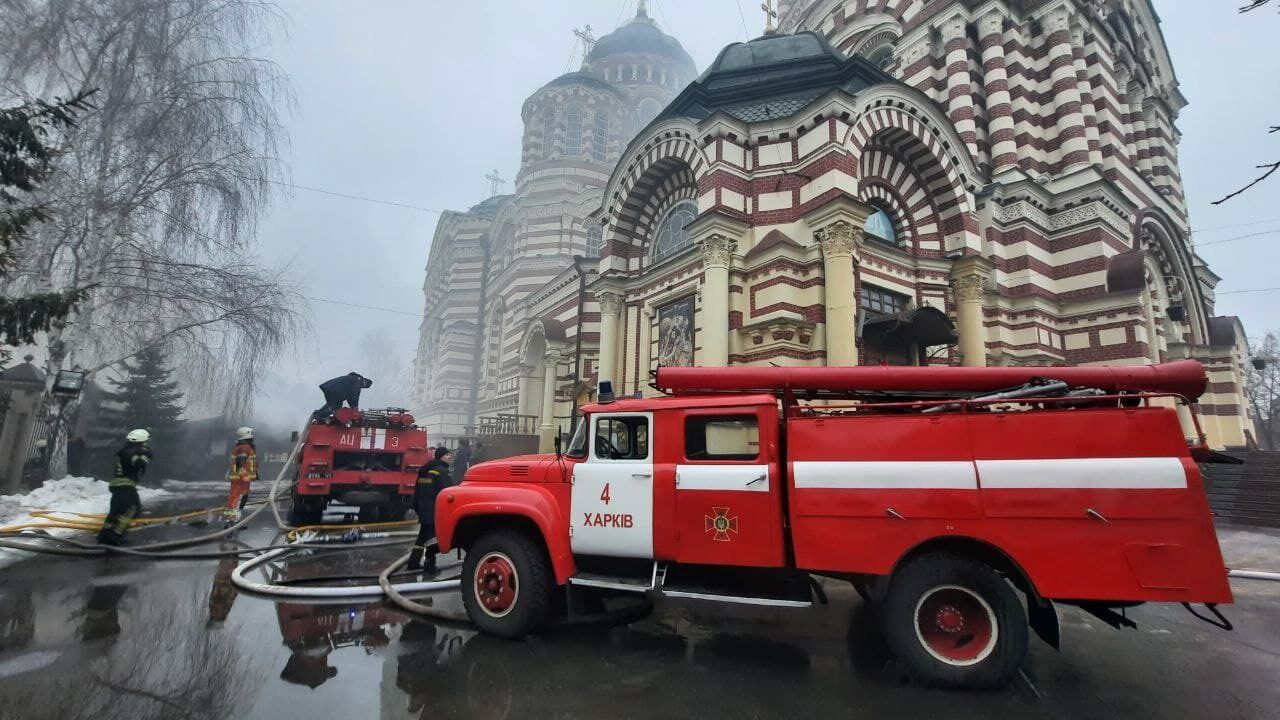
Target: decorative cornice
pixel 991 23
pixel 952 28
pixel 1058 19
pixel 840 239
pixel 717 251
pixel 970 287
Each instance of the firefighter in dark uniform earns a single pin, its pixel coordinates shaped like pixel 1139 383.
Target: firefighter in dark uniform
pixel 342 389
pixel 131 464
pixel 432 478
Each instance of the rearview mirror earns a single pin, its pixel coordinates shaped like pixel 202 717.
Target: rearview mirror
pixel 293 437
pixel 557 443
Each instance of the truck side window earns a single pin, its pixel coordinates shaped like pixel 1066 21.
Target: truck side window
pixel 735 437
pixel 622 438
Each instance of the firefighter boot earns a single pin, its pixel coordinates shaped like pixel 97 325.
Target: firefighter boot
pixel 415 558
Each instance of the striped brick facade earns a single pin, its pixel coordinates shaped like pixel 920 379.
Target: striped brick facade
pixel 1024 153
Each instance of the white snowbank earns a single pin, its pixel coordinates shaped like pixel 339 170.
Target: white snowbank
pixel 69 495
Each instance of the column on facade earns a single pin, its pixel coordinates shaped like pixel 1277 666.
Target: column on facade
pixel 1085 87
pixel 960 108
pixel 970 278
pixel 995 79
pixel 841 243
pixel 644 343
pixel 717 255
pixel 1072 143
pixel 524 404
pixel 1137 106
pixel 1119 114
pixel 610 307
pixel 547 415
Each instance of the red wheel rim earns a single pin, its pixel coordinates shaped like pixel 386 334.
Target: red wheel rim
pixel 955 625
pixel 496 585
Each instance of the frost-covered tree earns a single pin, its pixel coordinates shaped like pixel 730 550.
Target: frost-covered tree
pixel 156 197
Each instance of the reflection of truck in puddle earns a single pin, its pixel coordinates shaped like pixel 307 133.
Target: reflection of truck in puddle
pixel 311 632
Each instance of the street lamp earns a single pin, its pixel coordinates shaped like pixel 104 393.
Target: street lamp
pixel 69 383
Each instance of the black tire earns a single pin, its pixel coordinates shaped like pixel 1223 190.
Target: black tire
pixel 305 511
pixel 513 573
pixel 974 604
pixel 396 510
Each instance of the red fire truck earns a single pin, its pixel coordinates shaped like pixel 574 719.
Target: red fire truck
pixel 364 458
pixel 940 493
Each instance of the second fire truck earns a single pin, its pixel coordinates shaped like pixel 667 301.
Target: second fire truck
pixel 943 494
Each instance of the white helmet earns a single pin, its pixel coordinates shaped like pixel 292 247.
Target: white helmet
pixel 244 433
pixel 138 436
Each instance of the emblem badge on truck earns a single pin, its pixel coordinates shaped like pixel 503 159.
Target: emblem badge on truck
pixel 721 524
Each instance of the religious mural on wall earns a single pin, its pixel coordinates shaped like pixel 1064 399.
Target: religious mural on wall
pixel 675 333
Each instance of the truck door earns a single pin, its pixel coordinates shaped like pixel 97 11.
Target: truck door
pixel 728 488
pixel 612 498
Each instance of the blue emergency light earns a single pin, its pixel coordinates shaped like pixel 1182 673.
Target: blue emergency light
pixel 604 394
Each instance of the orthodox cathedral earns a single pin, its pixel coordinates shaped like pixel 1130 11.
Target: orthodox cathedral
pixel 872 181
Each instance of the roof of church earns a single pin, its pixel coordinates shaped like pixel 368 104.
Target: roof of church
pixel 773 76
pixel 640 35
pixel 490 206
pixel 578 77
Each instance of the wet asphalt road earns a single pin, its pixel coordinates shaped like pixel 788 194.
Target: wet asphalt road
pixel 101 640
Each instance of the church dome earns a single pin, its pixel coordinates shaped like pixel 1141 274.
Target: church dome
pixel 641 36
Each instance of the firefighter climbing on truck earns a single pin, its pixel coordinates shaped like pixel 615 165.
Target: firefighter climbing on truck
pixel 339 390
pixel 941 492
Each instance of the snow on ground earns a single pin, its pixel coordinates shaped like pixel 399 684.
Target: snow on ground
pixel 69 495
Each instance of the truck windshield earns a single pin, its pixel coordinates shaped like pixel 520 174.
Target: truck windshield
pixel 578 443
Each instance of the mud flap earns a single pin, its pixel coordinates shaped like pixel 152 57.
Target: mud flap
pixel 1043 618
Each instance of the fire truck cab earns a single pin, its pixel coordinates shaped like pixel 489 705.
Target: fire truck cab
pixel 942 494
pixel 363 458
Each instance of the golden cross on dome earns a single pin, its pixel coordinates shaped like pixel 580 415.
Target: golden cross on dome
pixel 769 15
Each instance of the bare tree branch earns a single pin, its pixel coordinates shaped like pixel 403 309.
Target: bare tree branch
pixel 157 195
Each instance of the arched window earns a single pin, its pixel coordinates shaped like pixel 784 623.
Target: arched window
pixel 649 109
pixel 595 240
pixel 672 235
pixel 600 137
pixel 548 134
pixel 880 226
pixel 881 57
pixel 573 131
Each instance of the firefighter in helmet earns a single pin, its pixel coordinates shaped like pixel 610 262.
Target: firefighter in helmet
pixel 432 478
pixel 131 463
pixel 242 472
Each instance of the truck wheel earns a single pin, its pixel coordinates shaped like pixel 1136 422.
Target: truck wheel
pixel 305 511
pixel 395 510
pixel 955 622
pixel 506 583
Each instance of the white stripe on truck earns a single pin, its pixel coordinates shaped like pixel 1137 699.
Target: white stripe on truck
pixel 924 475
pixel 1149 473
pixel 1153 473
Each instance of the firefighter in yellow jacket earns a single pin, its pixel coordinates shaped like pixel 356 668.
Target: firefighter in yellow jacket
pixel 242 472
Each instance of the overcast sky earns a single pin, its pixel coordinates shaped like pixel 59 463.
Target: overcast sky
pixel 415 102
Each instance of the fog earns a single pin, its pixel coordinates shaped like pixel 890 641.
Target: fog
pixel 414 103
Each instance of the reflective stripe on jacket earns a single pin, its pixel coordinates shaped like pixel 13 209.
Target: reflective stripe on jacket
pixel 131 464
pixel 244 462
